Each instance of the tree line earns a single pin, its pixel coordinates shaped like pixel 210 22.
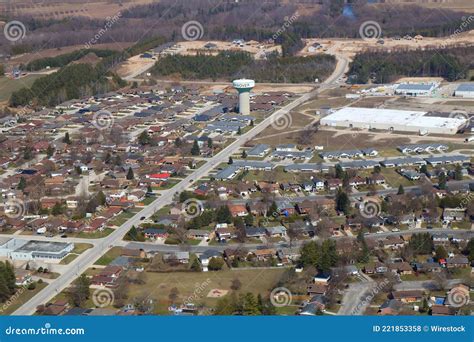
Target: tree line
pixel 64 59
pixel 385 67
pixel 232 65
pixel 78 80
pixel 223 21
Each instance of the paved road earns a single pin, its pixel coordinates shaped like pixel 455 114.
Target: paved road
pixel 356 298
pixel 159 247
pixel 424 285
pixel 86 259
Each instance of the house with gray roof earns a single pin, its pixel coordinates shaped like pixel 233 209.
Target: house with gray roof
pixel 406 161
pixel 443 160
pixel 307 167
pixel 259 150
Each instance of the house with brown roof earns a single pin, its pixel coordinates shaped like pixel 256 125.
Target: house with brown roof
pixel 237 210
pixel 408 296
pixel 441 310
pixel 401 268
pixel 264 254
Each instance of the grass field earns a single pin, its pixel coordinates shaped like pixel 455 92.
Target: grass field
pixel 8 86
pixel 158 285
pixel 108 257
pixel 95 235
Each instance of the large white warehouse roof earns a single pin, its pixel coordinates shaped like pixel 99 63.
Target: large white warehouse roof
pixel 400 120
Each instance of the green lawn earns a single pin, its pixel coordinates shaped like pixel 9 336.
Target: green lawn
pixel 95 235
pixel 108 257
pixel 149 200
pixel 195 286
pixel 122 218
pixel 68 259
pixel 81 247
pixel 8 86
pixel 394 179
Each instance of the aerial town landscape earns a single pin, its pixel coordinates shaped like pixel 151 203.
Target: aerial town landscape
pixel 246 157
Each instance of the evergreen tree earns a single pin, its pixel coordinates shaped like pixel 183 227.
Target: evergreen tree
pixel 67 139
pixel 134 235
pixel 231 161
pixel 144 138
pixel 458 173
pixel 50 151
pixel 441 252
pixel 57 209
pixel 101 198
pixel 195 151
pixel 196 265
pixel 223 215
pixel 21 184
pixel 343 202
pixel 401 190
pixel 209 143
pixel 250 305
pixel 130 175
pixel 239 131
pixel 244 154
pixel 442 181
pixel 340 174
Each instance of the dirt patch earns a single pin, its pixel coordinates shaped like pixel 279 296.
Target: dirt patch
pixel 217 293
pixel 257 49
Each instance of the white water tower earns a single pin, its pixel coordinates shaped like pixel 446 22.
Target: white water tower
pixel 244 87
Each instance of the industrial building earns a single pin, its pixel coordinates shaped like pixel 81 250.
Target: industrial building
pixel 392 120
pixel 17 249
pixel 415 89
pixel 465 90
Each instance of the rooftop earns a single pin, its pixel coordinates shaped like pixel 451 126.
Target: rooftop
pixel 42 246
